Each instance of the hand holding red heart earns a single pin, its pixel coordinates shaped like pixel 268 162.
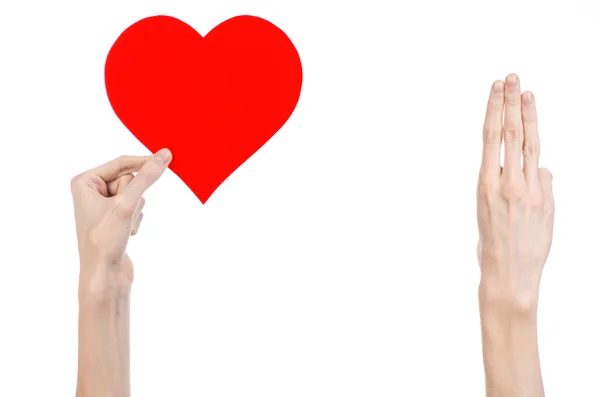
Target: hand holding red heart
pixel 108 207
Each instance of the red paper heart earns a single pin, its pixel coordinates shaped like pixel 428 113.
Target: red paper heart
pixel 213 100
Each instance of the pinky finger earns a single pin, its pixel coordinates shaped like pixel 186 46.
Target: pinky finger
pixel 136 225
pixel 545 178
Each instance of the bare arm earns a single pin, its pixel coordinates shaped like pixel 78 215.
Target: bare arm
pixel 103 359
pixel 510 348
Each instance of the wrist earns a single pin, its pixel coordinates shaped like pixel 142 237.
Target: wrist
pixel 510 297
pixel 101 282
pixel 510 352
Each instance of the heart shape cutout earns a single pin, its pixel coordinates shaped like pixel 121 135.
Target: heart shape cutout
pixel 212 100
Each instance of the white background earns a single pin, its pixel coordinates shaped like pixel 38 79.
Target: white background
pixel 340 259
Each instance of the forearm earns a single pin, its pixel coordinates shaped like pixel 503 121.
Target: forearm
pixel 510 348
pixel 103 359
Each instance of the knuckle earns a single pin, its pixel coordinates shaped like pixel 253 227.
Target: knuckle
pixel 122 207
pixel 512 191
pixel 530 149
pixel 483 190
pixel 492 135
pixel 512 134
pixel 486 188
pixel 513 100
pixel 537 202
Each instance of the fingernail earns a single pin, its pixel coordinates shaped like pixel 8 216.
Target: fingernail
pixel 527 98
pixel 499 86
pixel 512 80
pixel 163 156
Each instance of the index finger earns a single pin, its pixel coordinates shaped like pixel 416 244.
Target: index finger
pixel 148 174
pixel 120 166
pixel 492 130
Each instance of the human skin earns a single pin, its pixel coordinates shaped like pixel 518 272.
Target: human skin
pixel 515 212
pixel 108 207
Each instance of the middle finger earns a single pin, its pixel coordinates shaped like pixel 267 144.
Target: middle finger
pixel 513 125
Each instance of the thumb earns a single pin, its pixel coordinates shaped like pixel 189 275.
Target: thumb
pixel 149 173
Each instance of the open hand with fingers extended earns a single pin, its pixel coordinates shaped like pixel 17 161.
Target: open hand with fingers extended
pixel 515 213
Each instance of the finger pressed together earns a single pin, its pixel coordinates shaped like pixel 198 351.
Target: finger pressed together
pixel 513 127
pixel 531 145
pixel 492 131
pixel 511 119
